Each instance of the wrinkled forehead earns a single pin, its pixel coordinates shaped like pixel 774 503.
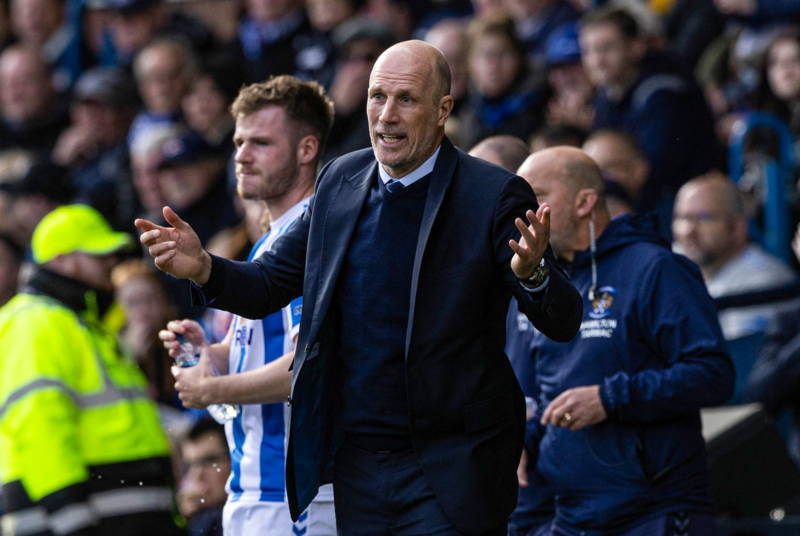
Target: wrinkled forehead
pixel 402 65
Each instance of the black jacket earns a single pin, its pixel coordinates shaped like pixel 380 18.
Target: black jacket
pixel 466 410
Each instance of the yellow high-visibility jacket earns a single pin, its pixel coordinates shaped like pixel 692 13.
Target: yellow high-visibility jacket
pixel 73 410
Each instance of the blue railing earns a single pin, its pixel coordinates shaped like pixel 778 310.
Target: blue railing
pixel 777 226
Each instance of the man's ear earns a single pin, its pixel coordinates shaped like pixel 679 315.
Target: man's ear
pixel 445 107
pixel 307 149
pixel 585 201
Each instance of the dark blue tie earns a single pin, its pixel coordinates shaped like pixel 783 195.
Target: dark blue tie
pixel 394 186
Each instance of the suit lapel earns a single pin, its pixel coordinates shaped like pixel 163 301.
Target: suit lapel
pixel 442 175
pixel 340 221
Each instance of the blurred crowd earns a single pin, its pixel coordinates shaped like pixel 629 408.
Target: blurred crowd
pixel 124 105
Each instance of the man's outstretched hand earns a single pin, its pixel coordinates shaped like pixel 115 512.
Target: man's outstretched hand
pixel 533 242
pixel 176 250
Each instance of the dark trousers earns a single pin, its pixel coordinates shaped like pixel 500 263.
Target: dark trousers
pixel 387 494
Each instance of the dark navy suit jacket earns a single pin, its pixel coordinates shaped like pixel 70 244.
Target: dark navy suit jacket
pixel 466 410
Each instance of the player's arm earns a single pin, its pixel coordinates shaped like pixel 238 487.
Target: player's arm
pixel 265 385
pixel 201 386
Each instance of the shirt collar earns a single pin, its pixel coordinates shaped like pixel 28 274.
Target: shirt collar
pixel 290 215
pixel 414 176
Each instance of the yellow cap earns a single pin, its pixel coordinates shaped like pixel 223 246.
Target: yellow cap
pixel 75 228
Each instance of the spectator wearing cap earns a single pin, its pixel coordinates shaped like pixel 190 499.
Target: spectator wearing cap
pixel 82 448
pixel 41 189
pixel 148 151
pixel 537 20
pixel 572 91
pixel 94 146
pixel 644 94
pixel 133 24
pixel 193 182
pixel 270 38
pixel 358 42
pixel 506 97
pixel 163 70
pixel 145 154
pixel 31 114
pixel 11 257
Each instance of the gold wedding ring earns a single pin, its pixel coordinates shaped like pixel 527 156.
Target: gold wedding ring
pixel 567 417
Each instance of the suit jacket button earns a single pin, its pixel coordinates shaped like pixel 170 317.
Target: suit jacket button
pixel 308 349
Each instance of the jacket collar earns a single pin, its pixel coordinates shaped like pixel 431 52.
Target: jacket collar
pixel 75 295
pixel 442 176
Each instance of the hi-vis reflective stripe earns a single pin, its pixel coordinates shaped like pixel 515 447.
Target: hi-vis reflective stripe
pixel 72 518
pixel 25 522
pixel 101 505
pixel 131 501
pixel 107 396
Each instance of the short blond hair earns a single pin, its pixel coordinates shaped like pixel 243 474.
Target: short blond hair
pixel 305 103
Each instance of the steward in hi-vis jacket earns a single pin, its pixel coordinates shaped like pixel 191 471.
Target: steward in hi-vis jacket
pixel 82 451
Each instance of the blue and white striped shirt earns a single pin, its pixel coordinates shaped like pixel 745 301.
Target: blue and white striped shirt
pixel 257 437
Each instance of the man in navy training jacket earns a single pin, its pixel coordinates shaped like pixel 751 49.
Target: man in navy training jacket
pixel 619 424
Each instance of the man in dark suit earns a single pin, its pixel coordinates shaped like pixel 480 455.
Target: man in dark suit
pixel 401 393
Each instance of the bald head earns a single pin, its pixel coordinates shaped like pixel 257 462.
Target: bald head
pixel 567 165
pixel 620 159
pixel 714 192
pixel 507 152
pixel 708 222
pixel 423 57
pixel 567 180
pixel 408 105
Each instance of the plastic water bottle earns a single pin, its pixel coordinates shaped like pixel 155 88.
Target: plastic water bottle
pixel 189 356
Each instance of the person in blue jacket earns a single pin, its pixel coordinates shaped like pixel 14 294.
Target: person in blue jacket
pixel 619 422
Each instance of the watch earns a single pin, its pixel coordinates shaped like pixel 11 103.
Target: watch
pixel 538 276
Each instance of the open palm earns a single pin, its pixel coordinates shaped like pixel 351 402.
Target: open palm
pixel 175 250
